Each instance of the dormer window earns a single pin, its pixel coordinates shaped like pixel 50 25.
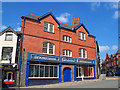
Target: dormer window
pixel 66 38
pixel 8 37
pixel 81 36
pixel 48 27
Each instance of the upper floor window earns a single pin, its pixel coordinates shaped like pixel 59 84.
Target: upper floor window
pixel 48 48
pixel 67 52
pixel 49 27
pixel 67 38
pixel 81 36
pixel 7 53
pixel 8 37
pixel 82 53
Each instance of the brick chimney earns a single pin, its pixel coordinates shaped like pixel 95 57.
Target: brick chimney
pixel 75 20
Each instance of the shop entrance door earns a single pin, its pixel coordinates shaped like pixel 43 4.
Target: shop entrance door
pixel 67 75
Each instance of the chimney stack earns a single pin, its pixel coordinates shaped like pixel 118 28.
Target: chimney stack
pixel 75 20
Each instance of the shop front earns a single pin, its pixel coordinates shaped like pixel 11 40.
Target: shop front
pixel 9 73
pixel 44 69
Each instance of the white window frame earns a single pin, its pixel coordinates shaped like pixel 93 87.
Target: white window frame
pixel 78 72
pixel 81 36
pixel 44 71
pixel 48 29
pixel 48 43
pixel 67 38
pixel 67 51
pixel 8 34
pixel 82 53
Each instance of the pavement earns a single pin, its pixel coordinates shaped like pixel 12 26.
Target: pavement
pixel 109 82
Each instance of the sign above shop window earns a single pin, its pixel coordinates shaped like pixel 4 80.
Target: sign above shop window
pixel 41 57
pixel 85 61
pixel 68 59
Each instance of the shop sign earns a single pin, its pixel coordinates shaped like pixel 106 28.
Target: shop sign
pixel 68 60
pixel 40 57
pixel 85 61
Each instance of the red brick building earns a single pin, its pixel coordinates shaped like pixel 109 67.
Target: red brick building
pixel 72 45
pixel 111 63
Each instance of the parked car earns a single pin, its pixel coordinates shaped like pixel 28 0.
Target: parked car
pixel 109 73
pixel 117 73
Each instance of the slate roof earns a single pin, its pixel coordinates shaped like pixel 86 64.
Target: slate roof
pixel 62 25
pixel 8 30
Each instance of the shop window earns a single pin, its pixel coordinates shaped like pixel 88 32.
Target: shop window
pixel 49 27
pixel 66 38
pixel 31 68
pixel 7 53
pixel 67 52
pixel 82 53
pixel 48 48
pixel 81 36
pixel 8 37
pixel 43 71
pixel 88 71
pixel 78 71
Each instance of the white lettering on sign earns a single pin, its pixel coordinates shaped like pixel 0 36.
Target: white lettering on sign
pixel 43 57
pixel 68 60
pixel 85 61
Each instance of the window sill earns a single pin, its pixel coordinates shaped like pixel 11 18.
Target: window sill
pixel 82 40
pixel 67 42
pixel 47 54
pixel 49 32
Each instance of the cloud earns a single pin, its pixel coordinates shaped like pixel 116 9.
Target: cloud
pixel 95 5
pixel 116 14
pixel 114 47
pixel 18 29
pixel 2 27
pixel 63 17
pixel 104 48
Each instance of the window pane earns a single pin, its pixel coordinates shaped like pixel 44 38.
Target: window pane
pixel 46 71
pixel 80 52
pixel 45 47
pixel 50 51
pixel 76 72
pixel 51 71
pixel 79 35
pixel 41 71
pixel 84 53
pixel 63 52
pixel 45 26
pixel 44 50
pixel 83 36
pixel 8 37
pixel 55 71
pixel 7 53
pixel 79 71
pixel 36 71
pixel 51 27
pixel 31 69
pixel 50 45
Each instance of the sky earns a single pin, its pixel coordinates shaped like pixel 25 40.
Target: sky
pixel 99 18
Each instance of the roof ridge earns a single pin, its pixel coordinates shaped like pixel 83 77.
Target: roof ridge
pixel 34 15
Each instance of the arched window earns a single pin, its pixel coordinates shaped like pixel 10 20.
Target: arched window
pixel 48 48
pixel 66 38
pixel 67 52
pixel 82 53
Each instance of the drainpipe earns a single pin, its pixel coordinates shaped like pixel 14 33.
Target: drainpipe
pixel 59 55
pixel 21 50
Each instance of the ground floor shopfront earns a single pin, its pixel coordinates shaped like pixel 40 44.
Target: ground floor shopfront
pixel 48 69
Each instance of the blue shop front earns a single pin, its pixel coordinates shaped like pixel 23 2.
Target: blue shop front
pixel 44 69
